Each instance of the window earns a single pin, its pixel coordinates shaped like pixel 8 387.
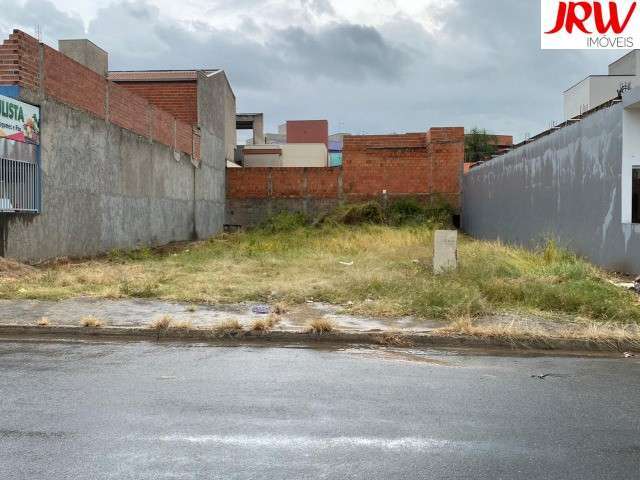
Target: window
pixel 635 195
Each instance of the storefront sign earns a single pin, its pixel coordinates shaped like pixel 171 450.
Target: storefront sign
pixel 19 121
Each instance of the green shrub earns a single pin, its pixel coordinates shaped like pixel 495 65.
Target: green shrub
pixel 118 255
pixel 285 222
pixel 139 288
pixel 357 214
pixel 410 211
pixel 406 210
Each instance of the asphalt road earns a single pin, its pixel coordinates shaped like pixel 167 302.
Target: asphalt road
pixel 153 411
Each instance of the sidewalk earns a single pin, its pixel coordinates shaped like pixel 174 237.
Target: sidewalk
pixel 131 318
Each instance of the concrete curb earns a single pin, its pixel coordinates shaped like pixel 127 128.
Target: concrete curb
pixel 429 339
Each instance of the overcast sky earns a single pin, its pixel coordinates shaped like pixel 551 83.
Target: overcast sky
pixel 368 66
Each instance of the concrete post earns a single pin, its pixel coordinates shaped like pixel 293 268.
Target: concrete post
pixel 445 251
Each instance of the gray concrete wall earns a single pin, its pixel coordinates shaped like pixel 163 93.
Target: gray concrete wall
pixel 87 53
pixel 103 187
pixel 251 212
pixel 564 186
pixel 216 104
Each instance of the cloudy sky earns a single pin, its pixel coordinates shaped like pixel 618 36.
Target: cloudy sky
pixel 368 66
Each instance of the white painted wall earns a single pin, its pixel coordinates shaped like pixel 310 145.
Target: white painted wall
pixel 304 155
pixel 261 160
pixel 594 91
pixel 576 99
pixel 293 155
pixel 630 156
pixel 626 65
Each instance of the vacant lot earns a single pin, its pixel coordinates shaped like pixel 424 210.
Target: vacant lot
pixel 370 269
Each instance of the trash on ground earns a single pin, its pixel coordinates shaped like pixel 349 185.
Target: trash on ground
pixel 628 355
pixel 261 309
pixel 347 264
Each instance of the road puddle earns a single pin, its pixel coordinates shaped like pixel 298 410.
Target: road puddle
pixel 411 356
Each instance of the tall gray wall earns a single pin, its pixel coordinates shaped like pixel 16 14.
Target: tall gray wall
pixel 104 187
pixel 564 186
pixel 216 112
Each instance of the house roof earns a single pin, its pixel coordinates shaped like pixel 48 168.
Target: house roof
pixel 157 75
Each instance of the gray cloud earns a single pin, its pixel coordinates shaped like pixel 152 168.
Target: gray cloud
pixel 343 51
pixel 483 65
pixel 320 7
pixel 54 24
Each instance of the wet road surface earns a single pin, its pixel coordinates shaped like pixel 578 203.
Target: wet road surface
pixel 172 411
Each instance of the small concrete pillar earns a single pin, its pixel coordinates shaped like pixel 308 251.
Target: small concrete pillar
pixel 445 251
pixel 258 129
pixel 87 53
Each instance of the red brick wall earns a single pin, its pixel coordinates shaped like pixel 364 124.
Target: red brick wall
pixel 184 137
pixel 247 182
pixel 323 182
pixel 163 131
pixel 128 110
pixel 196 143
pixel 282 182
pixel 178 98
pixel 308 131
pixel 71 83
pixel 415 164
pixel 446 149
pixel 399 164
pixel 19 61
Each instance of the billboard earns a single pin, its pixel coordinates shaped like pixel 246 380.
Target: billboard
pixel 19 121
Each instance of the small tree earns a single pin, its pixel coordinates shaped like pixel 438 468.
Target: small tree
pixel 479 145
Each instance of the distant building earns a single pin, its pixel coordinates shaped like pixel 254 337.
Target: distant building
pixel 596 90
pixel 285 155
pixel 298 143
pixel 308 131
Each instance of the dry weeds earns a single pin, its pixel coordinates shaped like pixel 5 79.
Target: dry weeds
pixel 230 328
pixel 517 331
pixel 321 325
pixel 181 325
pixel 92 322
pixel 162 323
pixel 280 308
pixel 43 322
pixel 393 339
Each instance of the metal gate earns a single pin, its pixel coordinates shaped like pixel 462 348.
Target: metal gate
pixel 19 177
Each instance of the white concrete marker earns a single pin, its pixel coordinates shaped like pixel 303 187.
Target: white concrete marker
pixel 445 251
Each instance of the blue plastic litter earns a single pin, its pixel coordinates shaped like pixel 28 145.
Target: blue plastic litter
pixel 261 309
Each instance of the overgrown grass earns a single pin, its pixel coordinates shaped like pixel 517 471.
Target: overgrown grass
pixel 321 325
pixel 92 322
pixel 390 275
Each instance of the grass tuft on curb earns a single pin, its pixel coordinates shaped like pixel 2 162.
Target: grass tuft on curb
pixel 228 328
pixel 320 326
pixel 162 323
pixel 393 339
pixel 264 325
pixel 91 322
